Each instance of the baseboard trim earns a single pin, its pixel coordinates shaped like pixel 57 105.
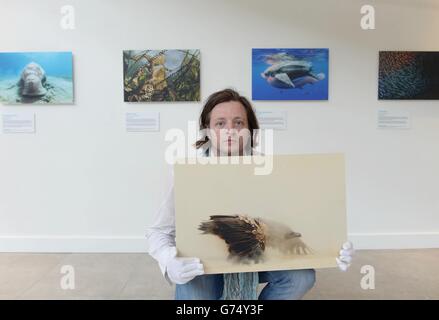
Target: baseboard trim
pixel 132 244
pixel 74 244
pixel 397 240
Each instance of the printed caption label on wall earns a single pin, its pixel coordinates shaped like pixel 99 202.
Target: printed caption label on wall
pixel 393 119
pixel 142 121
pixel 276 120
pixel 18 123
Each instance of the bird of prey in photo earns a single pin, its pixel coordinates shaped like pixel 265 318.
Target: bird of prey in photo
pixel 247 238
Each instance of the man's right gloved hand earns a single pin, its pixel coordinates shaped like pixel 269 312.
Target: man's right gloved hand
pixel 182 270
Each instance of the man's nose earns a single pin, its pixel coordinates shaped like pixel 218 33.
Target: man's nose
pixel 231 126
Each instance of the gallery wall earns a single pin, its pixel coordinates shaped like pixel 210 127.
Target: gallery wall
pixel 82 183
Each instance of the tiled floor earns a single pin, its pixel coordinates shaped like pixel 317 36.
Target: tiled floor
pixel 399 274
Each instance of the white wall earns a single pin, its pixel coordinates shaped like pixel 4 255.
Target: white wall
pixel 81 183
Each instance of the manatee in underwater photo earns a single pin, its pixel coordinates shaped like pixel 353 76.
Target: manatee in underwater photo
pixel 32 80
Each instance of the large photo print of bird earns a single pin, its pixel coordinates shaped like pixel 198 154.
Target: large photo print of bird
pixel 290 74
pixel 234 220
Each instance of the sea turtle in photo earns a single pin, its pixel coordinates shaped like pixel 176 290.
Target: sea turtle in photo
pixel 291 74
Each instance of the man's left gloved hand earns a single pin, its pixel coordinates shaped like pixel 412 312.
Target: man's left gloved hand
pixel 345 258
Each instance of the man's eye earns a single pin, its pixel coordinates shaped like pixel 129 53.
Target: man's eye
pixel 220 124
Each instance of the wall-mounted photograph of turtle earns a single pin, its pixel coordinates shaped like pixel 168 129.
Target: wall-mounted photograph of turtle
pixel 36 78
pixel 161 75
pixel 408 75
pixel 290 74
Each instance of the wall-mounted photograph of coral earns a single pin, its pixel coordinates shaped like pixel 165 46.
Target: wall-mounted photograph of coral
pixel 161 75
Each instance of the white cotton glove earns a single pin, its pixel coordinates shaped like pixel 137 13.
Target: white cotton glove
pixel 345 258
pixel 182 270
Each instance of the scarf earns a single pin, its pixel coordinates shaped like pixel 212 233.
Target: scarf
pixel 239 286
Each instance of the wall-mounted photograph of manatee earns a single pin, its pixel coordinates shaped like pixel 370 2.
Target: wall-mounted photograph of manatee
pixel 409 75
pixel 36 78
pixel 290 74
pixel 161 75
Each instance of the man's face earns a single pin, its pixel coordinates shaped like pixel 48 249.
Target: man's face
pixel 228 128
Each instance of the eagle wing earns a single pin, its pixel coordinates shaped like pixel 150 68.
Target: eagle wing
pixel 243 235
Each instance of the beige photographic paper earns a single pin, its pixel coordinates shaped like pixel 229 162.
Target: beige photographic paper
pixel 304 193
